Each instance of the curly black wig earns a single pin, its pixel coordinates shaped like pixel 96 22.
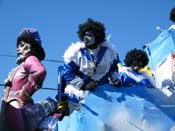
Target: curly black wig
pixel 172 14
pixel 96 27
pixel 136 57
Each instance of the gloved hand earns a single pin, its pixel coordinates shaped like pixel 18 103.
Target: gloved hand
pixel 117 83
pixel 90 86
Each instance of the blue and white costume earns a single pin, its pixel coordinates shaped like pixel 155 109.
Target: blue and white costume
pixel 128 77
pixel 83 65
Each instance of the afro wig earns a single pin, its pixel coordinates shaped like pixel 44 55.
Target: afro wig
pixel 172 14
pixel 94 26
pixel 137 58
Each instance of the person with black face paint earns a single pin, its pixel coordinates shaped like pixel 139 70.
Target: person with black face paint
pixel 132 73
pixel 89 62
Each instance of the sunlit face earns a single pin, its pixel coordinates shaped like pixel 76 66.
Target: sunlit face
pixel 136 66
pixel 23 48
pixel 89 39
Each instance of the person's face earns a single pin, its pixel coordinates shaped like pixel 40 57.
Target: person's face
pixel 136 66
pixel 89 39
pixel 23 49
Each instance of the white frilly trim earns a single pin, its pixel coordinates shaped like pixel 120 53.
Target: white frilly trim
pixel 72 50
pixel 73 91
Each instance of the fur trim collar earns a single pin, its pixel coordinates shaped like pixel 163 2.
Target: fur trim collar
pixel 75 47
pixel 72 50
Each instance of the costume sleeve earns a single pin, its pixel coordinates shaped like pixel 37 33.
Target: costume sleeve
pixel 74 76
pixel 148 80
pixel 129 78
pixel 72 63
pixel 73 81
pixel 126 80
pixel 36 74
pixel 70 70
pixel 114 69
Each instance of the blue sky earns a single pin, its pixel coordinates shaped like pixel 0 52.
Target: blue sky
pixel 131 23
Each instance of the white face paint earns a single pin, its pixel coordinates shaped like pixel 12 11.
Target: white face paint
pixel 22 51
pixel 135 68
pixel 89 39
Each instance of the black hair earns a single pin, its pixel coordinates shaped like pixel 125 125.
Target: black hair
pixel 96 27
pixel 172 14
pixel 136 57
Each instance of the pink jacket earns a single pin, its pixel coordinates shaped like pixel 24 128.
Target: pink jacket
pixel 29 75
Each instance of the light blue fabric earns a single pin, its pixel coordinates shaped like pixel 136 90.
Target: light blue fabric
pixel 161 62
pixel 122 109
pixel 160 48
pixel 135 108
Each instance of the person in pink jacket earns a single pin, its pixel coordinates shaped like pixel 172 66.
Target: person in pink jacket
pixel 24 80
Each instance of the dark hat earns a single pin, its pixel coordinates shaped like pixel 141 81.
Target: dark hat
pixel 31 35
pixel 94 26
pixel 172 14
